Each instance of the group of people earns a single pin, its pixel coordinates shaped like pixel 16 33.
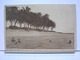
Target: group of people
pixel 19 41
pixel 69 42
pixel 15 41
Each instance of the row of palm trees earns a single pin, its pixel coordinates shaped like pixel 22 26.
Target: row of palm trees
pixel 28 20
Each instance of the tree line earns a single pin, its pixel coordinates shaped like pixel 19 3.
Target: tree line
pixel 28 20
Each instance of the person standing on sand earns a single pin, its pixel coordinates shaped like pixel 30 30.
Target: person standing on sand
pixel 50 41
pixel 69 42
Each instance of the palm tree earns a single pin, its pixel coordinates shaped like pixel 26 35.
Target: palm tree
pixel 26 15
pixel 10 14
pixel 53 25
pixel 30 19
pixel 45 20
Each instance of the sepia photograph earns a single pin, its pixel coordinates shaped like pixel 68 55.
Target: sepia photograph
pixel 40 27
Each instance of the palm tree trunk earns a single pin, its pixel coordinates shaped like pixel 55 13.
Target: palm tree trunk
pixel 28 25
pixel 24 25
pixel 51 28
pixel 43 28
pixel 47 28
pixel 11 23
pixel 15 23
pixel 20 25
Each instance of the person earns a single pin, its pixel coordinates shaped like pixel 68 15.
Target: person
pixel 69 41
pixel 13 40
pixel 19 41
pixel 50 41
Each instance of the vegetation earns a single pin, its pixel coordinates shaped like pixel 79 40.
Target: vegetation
pixel 28 20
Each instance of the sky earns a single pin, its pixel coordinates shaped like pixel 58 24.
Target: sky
pixel 62 14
